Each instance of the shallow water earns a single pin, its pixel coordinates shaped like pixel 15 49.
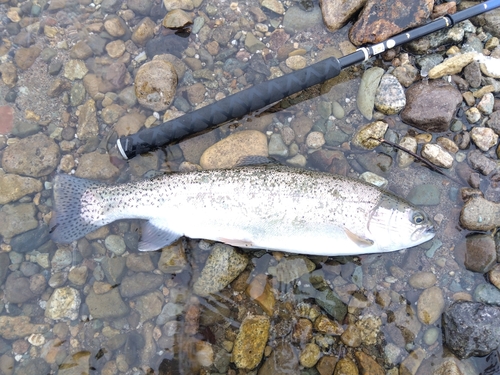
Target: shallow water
pixel 129 345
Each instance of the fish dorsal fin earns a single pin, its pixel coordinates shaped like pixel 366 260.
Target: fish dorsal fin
pixel 358 240
pixel 254 160
pixel 155 236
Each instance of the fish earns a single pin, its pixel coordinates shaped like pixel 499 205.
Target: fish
pixel 266 206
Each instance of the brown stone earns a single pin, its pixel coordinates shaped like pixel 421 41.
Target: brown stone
pixel 367 365
pixel 260 291
pixel 381 19
pixel 336 13
pixel 431 107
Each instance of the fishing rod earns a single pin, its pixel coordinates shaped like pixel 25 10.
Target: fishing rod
pixel 264 94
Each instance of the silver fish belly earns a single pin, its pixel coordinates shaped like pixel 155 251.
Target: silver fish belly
pixel 266 207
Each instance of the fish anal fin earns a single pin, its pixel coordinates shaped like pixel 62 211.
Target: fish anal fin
pixel 155 236
pixel 358 240
pixel 237 243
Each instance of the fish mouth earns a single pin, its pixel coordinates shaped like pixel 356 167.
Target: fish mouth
pixel 424 234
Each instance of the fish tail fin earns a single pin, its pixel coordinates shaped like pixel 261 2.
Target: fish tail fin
pixel 78 210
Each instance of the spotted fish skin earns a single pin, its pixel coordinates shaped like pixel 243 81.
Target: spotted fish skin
pixel 267 207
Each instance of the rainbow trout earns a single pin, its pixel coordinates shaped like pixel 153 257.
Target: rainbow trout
pixel 263 207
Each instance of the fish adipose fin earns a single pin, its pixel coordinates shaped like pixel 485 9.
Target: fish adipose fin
pixel 155 236
pixel 74 216
pixel 360 241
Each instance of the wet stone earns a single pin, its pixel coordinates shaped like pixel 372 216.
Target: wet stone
pixel 17 288
pixel 96 166
pixel 75 69
pixel 480 214
pixel 173 259
pixel 471 328
pixel 115 244
pixel 367 91
pixel 424 195
pixel 310 355
pixel 485 105
pixel 64 303
pixel 412 362
pixel 473 115
pixel 276 146
pixel 139 262
pixel 25 57
pixel 140 283
pixel 431 107
pixel 368 135
pixel 451 66
pixel 14 187
pixel 223 265
pixel 351 336
pixel 437 155
pixel 430 305
pixel 327 326
pixel 155 84
pixel 390 96
pixel 484 138
pixel 34 156
pixel 487 293
pixel 346 366
pixel 404 159
pixel 260 291
pixel 282 361
pixel 481 162
pixel 250 342
pixel 106 306
pixel 480 253
pixel 78 275
pixel 62 258
pixel 422 280
pixel 149 306
pixel 17 218
pixel 77 363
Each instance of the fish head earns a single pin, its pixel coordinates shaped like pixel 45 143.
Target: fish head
pixel 397 224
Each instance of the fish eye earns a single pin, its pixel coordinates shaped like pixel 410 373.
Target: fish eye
pixel 418 218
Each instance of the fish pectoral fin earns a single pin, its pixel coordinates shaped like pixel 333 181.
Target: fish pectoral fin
pixel 237 243
pixel 358 240
pixel 155 236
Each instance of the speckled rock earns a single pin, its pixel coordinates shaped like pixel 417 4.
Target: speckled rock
pixel 291 268
pixel 227 152
pixel 327 326
pixel 367 136
pixel 337 13
pixel 351 336
pixel 261 292
pixel 144 31
pixel 155 84
pixel 310 355
pixel 250 342
pixel 480 253
pixel 390 96
pixel 345 366
pixel 484 138
pixel 34 156
pixel 223 265
pixel 75 69
pixel 471 328
pixel 367 90
pixel 282 361
pixel 14 187
pixel 64 303
pixel 431 107
pixel 430 305
pixel 172 259
pixel 437 155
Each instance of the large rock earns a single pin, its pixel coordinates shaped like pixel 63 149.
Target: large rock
pixel 15 327
pixel 106 306
pixel 64 303
pixel 431 107
pixel 96 166
pixel 480 214
pixel 471 328
pixel 14 187
pixel 336 13
pixel 17 218
pixel 155 84
pixel 250 343
pixel 381 19
pixel 34 156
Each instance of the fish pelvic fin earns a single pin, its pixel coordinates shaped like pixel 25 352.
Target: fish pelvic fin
pixel 155 236
pixel 77 209
pixel 358 240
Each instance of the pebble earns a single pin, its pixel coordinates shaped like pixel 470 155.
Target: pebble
pixel 139 283
pixel 223 265
pixel 368 135
pixel 487 293
pixel 480 253
pixel 106 306
pixel 483 138
pixel 76 363
pixel 390 96
pixel 310 355
pixel 324 325
pixel 17 288
pixel 431 335
pixel 75 69
pixel 61 259
pixel 368 365
pixel 494 275
pixel 261 292
pixel 424 195
pixel 374 179
pixel 282 361
pixel 291 268
pixel 430 305
pixel 115 244
pixel 404 159
pixel 367 90
pixel 315 140
pixel 14 187
pixel 250 342
pixel 78 275
pixel 276 145
pixel 437 155
pixel 149 305
pixel 96 166
pixel 17 218
pixel 24 58
pixel 155 84
pixel 298 161
pixel 473 115
pixel 296 62
pixel 351 336
pixel 485 106
pixel 480 214
pixel 422 280
pixel 64 303
pixel 34 156
pixel 173 259
pixel 227 152
pixel 412 362
pixel 451 66
pixel 345 366
pixel 481 162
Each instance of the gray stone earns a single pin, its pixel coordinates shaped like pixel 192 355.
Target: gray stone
pixel 297 19
pixel 471 328
pixel 17 288
pixel 390 96
pixel 140 283
pixel 367 90
pixel 480 253
pixel 331 303
pixel 487 293
pixel 282 361
pixel 276 146
pixel 75 364
pixel 31 240
pixel 114 269
pixel 424 195
pixel 481 162
pixel 17 218
pixel 109 305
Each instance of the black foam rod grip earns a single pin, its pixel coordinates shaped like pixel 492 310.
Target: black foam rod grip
pixel 231 107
